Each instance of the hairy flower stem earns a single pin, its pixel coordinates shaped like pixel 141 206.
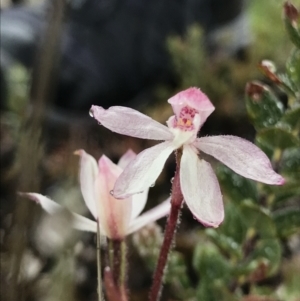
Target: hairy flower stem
pixel 123 272
pixel 99 264
pixel 170 230
pixel 112 293
pixel 118 267
pixel 116 264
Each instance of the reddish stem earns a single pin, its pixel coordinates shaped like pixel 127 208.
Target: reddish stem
pixel 112 292
pixel 116 268
pixel 170 230
pixel 115 282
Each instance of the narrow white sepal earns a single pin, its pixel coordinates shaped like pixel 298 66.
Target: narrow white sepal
pixel 241 156
pixel 200 189
pixel 129 122
pixel 143 171
pixel 152 215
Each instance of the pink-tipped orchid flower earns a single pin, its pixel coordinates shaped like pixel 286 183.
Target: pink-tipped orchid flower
pixel 117 218
pixel 199 183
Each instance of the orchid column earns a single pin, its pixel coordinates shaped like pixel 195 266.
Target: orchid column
pixel 195 181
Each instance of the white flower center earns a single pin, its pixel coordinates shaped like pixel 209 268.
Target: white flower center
pixel 184 126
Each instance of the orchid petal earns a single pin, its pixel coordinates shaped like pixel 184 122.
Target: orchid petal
pixel 79 222
pixel 47 204
pixel 138 200
pixel 241 156
pixel 114 215
pixel 194 98
pixel 87 175
pixel 127 121
pixel 150 216
pixel 126 158
pixel 200 188
pixel 143 171
pixel 85 224
pixel 138 203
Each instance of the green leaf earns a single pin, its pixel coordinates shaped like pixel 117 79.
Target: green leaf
pixel 209 290
pixel 225 243
pixel 266 148
pixel 233 221
pixel 263 107
pixel 210 263
pixel 236 187
pixel 285 192
pixel 291 19
pixel 287 221
pixel 277 138
pixel 257 219
pixel 290 288
pixel 269 249
pixel 290 163
pixel 292 119
pixel 287 85
pixel 293 68
pixel 282 80
pixel 262 262
pixel 177 276
pixel 205 291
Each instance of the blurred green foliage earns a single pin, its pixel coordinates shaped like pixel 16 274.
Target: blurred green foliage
pixel 266 216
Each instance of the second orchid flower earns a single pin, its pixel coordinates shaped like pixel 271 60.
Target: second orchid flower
pixel 117 218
